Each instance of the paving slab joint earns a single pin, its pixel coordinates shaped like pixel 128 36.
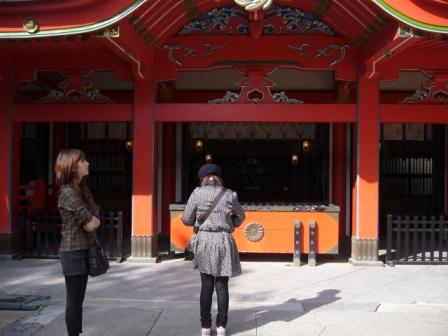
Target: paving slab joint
pixel 27 302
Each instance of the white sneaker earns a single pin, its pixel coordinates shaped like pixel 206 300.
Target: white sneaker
pixel 205 331
pixel 221 331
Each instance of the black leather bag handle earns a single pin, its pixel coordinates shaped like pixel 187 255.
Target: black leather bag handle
pixel 204 217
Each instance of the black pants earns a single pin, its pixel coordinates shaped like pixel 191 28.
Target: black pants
pixel 76 290
pixel 209 282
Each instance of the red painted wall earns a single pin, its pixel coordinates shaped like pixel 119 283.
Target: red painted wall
pixel 6 143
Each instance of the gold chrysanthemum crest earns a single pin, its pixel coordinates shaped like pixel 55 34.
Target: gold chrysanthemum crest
pixel 254 232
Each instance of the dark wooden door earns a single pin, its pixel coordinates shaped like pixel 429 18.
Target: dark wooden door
pixel 412 176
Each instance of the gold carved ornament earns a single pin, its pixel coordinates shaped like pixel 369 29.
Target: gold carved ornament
pixel 254 232
pixel 30 25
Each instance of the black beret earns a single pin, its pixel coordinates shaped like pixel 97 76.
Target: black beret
pixel 209 169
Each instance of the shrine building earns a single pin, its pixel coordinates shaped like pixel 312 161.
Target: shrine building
pixel 328 117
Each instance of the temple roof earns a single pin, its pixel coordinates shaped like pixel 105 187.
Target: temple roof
pixel 63 17
pixel 159 19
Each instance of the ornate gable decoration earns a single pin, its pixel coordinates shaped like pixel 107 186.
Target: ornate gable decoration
pixel 74 89
pixel 432 91
pixel 255 89
pixel 235 21
pixel 287 20
pixel 219 21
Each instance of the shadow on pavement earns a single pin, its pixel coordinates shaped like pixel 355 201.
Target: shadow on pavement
pixel 285 312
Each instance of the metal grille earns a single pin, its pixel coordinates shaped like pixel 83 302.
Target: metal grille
pixel 417 240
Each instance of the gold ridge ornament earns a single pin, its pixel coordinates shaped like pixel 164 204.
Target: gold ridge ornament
pixel 254 5
pixel 30 25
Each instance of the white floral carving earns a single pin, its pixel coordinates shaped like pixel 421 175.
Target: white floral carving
pixel 254 5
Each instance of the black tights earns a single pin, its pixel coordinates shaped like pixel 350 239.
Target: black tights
pixel 209 282
pixel 76 289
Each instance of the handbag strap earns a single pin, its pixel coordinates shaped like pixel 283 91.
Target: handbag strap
pixel 204 217
pixel 96 242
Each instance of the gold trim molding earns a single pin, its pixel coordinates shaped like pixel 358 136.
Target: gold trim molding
pixel 75 30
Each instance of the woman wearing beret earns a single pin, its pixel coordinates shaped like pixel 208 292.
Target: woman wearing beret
pixel 216 254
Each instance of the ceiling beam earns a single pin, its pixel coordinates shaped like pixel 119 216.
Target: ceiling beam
pixel 72 112
pixel 419 61
pixel 205 52
pixel 131 47
pixel 413 113
pixel 256 112
pixel 61 61
pixel 384 47
pixel 373 29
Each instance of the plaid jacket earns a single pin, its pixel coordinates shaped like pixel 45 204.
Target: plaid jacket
pixel 74 214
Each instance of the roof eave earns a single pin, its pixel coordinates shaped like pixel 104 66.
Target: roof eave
pixel 76 29
pixel 409 20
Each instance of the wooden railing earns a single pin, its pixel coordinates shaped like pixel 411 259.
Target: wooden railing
pixel 41 234
pixel 417 240
pixel 110 234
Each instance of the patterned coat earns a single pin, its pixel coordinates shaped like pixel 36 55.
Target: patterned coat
pixel 75 212
pixel 215 252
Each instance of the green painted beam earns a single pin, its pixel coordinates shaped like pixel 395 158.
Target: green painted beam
pixel 409 20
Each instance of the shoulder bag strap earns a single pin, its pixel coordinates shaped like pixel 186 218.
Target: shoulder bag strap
pixel 204 217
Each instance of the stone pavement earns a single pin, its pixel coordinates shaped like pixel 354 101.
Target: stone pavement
pixel 270 298
pixel 9 316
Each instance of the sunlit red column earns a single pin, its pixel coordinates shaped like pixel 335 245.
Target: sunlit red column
pixel 366 194
pixel 144 233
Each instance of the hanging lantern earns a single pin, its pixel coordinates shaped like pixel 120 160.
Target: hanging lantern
pixel 306 144
pixel 129 145
pixel 294 160
pixel 198 145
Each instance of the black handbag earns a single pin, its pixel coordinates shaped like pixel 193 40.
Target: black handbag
pixel 98 263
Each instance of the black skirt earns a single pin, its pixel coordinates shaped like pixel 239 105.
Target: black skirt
pixel 74 262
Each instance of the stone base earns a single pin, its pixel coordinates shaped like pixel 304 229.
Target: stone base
pixel 365 252
pixel 9 244
pixel 151 260
pixel 365 263
pixel 143 247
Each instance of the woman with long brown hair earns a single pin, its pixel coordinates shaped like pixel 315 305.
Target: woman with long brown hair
pixel 80 219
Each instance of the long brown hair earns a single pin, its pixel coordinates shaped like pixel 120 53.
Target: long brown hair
pixel 65 169
pixel 213 179
pixel 66 166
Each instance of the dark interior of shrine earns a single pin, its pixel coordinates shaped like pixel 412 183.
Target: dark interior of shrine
pixel 262 162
